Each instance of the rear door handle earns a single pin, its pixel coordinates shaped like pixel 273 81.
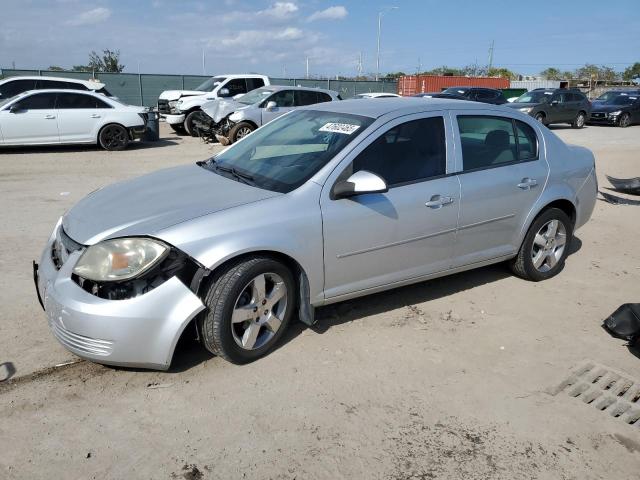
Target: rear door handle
pixel 95 115
pixel 49 117
pixel 438 201
pixel 527 183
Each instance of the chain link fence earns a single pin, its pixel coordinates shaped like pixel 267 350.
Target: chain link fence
pixel 144 88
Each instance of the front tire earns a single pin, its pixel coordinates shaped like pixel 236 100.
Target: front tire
pixel 189 122
pixel 579 121
pixel 624 121
pixel 249 306
pixel 113 137
pixel 540 117
pixel 241 130
pixel 545 246
pixel 177 127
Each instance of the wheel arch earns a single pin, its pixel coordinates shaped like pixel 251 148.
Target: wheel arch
pixel 563 203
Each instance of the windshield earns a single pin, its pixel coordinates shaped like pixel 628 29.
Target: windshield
pixel 605 97
pixel 533 97
pixel 210 84
pixel 254 96
pixel 622 100
pixel 288 151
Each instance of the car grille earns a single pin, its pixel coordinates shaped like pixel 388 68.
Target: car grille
pixel 163 106
pixel 598 115
pixel 92 346
pixel 62 247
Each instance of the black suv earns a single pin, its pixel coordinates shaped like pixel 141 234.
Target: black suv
pixel 555 105
pixel 476 94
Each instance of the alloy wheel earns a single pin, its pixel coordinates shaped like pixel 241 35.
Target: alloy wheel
pixel 242 132
pixel 258 311
pixel 548 245
pixel 113 137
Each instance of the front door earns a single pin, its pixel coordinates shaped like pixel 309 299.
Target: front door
pixel 375 240
pixel 32 121
pixel 502 173
pixel 285 102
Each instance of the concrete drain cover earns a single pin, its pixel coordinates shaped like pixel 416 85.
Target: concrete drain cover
pixel 607 390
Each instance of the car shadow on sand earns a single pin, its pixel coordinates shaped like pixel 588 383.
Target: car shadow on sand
pixel 48 149
pixel 189 353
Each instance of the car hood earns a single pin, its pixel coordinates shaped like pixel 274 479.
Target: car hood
pixel 221 107
pixel 145 205
pixel 602 107
pixel 176 94
pixel 521 105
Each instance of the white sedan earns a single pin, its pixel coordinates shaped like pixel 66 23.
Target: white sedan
pixel 45 117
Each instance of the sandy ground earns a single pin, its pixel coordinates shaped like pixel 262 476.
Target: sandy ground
pixel 445 379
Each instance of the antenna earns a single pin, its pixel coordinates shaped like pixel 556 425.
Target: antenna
pixel 204 63
pixel 360 66
pixel 307 67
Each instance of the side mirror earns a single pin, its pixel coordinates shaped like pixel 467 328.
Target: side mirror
pixel 14 108
pixel 360 183
pixel 271 106
pixel 224 92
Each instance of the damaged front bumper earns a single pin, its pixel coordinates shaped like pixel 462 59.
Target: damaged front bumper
pixel 137 332
pixel 174 119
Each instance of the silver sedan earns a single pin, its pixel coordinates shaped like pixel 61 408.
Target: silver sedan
pixel 324 204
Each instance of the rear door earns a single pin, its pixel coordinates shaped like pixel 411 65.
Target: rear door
pixel 34 120
pixel 502 172
pixel 79 116
pixel 285 102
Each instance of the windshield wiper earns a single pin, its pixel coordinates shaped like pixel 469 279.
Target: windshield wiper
pixel 243 177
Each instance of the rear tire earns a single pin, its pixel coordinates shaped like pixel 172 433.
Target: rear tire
pixel 580 120
pixel 545 246
pixel 249 306
pixel 624 121
pixel 113 137
pixel 241 130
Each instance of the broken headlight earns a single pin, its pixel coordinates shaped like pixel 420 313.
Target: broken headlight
pixel 119 259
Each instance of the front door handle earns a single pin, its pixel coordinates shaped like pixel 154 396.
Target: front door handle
pixel 49 117
pixel 438 201
pixel 95 115
pixel 527 183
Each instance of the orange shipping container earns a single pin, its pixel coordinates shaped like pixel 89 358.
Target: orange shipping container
pixel 412 84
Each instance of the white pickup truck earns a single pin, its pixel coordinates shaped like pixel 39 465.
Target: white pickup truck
pixel 181 107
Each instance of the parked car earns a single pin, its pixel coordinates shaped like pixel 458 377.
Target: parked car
pixel 329 202
pixel 554 105
pixel 181 107
pixel 622 110
pixel 12 86
pixel 477 94
pixel 235 119
pixel 376 95
pixel 450 96
pixel 43 117
pixel 610 94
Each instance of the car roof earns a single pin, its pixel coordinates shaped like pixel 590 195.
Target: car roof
pixel 402 105
pixel 240 75
pixel 89 83
pixel 277 88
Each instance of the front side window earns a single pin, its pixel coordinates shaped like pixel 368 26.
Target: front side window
pixel 209 84
pixel 283 98
pixel 39 101
pixel 409 152
pixel 236 86
pixel 537 96
pixel 15 87
pixel 491 142
pixel 285 153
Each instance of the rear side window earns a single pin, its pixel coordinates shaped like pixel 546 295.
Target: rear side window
pixel 486 95
pixel 39 101
pixel 407 153
pixel 253 83
pixel 77 100
pixel 42 84
pixel 324 97
pixel 15 87
pixel 490 141
pixel 305 97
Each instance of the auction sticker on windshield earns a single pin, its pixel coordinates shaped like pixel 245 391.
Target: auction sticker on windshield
pixel 345 128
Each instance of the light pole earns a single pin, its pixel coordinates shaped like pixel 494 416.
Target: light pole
pixel 380 13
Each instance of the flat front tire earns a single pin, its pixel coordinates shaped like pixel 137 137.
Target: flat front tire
pixel 113 137
pixel 545 246
pixel 249 306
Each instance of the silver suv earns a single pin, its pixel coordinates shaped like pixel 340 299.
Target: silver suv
pixel 260 106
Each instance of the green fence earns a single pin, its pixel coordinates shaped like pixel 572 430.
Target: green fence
pixel 144 88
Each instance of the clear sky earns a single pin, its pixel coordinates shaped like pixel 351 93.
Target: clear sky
pixel 274 37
